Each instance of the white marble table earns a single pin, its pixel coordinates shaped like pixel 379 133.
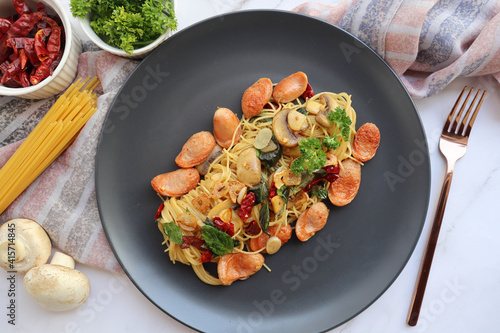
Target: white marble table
pixel 464 287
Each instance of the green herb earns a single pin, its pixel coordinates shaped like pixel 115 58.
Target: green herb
pixel 173 232
pixel 302 110
pixel 271 158
pixel 219 242
pixel 307 177
pixel 264 217
pixel 320 190
pixel 127 24
pixel 312 156
pixel 330 142
pixel 261 191
pixel 342 121
pixel 284 192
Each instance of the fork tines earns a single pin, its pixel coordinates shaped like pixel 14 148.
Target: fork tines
pixel 454 118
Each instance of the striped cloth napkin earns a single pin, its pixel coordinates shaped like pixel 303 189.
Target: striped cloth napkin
pixel 62 199
pixel 427 43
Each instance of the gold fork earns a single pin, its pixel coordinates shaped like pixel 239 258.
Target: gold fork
pixel 453 145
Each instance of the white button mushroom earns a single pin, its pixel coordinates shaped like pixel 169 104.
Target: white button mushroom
pixel 57 286
pixel 24 244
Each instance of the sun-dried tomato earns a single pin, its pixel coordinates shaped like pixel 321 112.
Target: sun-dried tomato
pixel 308 93
pixel 252 228
pixel 223 226
pixel 158 212
pixel 332 172
pixel 312 183
pixel 246 206
pixel 272 105
pixel 273 190
pixel 206 257
pixel 188 241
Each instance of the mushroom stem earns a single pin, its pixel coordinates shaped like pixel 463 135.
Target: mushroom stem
pixel 62 259
pixel 19 248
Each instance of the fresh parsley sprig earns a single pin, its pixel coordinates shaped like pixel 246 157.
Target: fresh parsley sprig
pixel 342 122
pixel 312 156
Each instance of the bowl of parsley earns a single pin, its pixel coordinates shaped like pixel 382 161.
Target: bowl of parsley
pixel 127 28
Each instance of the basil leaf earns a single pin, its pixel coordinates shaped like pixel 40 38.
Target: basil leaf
pixel 284 192
pixel 320 191
pixel 219 242
pixel 271 158
pixel 209 222
pixel 261 191
pixel 173 232
pixel 303 110
pixel 307 178
pixel 264 217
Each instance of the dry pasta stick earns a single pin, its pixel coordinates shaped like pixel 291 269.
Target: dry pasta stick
pixel 53 134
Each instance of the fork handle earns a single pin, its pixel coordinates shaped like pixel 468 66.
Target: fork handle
pixel 425 268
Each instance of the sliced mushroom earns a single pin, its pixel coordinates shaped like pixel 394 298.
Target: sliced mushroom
pixel 248 167
pixel 203 167
pixel 57 286
pixel 28 244
pixel 282 131
pixel 330 105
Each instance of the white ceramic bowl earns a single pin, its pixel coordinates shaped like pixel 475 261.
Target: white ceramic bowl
pixel 65 72
pixel 136 54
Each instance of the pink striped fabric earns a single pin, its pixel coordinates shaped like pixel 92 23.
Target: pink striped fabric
pixel 62 199
pixel 427 43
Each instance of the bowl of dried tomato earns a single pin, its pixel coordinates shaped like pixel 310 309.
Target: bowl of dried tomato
pixel 39 49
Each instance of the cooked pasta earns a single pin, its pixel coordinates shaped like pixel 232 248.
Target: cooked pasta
pixel 223 174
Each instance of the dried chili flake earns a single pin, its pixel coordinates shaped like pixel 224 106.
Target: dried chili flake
pixel 30 60
pixel 223 226
pixel 332 172
pixel 246 206
pixel 188 241
pixel 252 228
pixel 159 210
pixel 206 257
pixel 308 93
pixel 273 190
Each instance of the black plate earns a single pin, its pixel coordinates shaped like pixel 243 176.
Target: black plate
pixel 313 286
